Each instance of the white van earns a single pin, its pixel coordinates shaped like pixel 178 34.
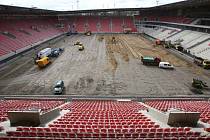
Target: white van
pixel 44 53
pixel 166 65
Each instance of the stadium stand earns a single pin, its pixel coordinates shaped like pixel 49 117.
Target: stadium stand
pixel 105 24
pixel 194 42
pixel 108 119
pixel 92 23
pixel 160 32
pixel 117 23
pixel 191 106
pixel 102 24
pixel 18 35
pixel 80 23
pixel 202 50
pixel 14 105
pixel 172 19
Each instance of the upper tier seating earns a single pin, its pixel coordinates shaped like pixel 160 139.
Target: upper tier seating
pixel 100 24
pixel 25 33
pixel 172 19
pixel 79 23
pixel 117 23
pixel 105 24
pixel 92 23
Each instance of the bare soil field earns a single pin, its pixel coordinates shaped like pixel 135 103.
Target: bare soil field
pixel 104 68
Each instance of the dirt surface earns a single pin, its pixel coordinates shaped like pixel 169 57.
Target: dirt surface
pixel 103 68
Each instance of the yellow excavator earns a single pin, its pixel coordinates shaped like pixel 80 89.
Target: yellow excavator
pixel 80 46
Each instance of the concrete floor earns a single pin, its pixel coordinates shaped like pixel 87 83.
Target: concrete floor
pixel 102 69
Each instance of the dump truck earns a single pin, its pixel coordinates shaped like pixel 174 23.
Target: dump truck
pixel 43 62
pixel 153 61
pixel 205 63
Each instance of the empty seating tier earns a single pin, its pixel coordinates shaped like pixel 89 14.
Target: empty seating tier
pixel 17 35
pixel 191 106
pixel 104 119
pixel 172 19
pixel 15 105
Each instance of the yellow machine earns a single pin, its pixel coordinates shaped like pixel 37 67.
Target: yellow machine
pixel 78 43
pixel 43 62
pixel 81 47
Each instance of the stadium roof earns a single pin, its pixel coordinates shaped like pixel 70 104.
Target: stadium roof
pixel 10 10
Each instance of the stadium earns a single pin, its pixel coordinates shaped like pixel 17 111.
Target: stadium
pixel 115 73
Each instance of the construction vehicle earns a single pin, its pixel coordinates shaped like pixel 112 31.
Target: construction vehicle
pixel 113 40
pixel 199 84
pixel 43 62
pixel 81 47
pixel 153 61
pixel 78 43
pixel 205 63
pixel 88 33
